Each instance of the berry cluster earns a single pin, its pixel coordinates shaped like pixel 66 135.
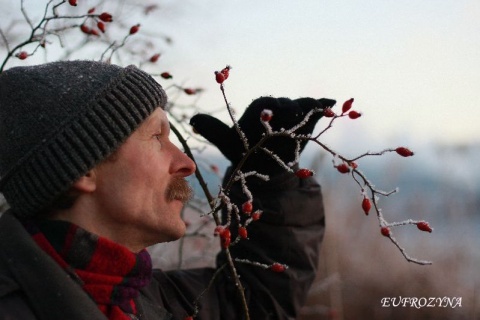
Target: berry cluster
pixel 347 105
pixel 95 23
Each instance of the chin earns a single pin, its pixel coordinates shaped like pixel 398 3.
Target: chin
pixel 175 233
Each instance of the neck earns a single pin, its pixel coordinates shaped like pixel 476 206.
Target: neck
pixel 91 220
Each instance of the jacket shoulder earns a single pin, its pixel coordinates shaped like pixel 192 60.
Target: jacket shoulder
pixel 7 283
pixel 13 303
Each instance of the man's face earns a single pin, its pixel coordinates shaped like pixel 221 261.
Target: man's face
pixel 141 192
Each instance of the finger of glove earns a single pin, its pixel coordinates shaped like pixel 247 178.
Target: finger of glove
pixel 327 103
pixel 285 114
pixel 250 122
pixel 219 134
pixel 307 105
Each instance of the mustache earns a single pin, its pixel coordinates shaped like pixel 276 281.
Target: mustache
pixel 179 189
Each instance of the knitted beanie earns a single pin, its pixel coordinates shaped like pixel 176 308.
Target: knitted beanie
pixel 58 120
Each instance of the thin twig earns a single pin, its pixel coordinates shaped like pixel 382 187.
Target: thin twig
pixel 210 284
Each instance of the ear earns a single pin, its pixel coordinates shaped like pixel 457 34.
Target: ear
pixel 86 183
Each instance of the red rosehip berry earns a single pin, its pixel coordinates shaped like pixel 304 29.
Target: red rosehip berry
pixel 304 173
pixel 85 29
pixel 354 114
pixel 366 205
pixel 278 267
pixel 343 168
pixel 219 77
pixel 105 17
pixel 353 164
pixel 242 232
pixel 225 243
pixel 73 3
pixel 328 112
pixel 166 75
pixel 256 215
pixel 225 235
pixel 91 10
pixel 266 115
pixel 188 318
pixel 134 29
pixel 154 58
pixel 247 207
pixel 385 231
pixel 218 230
pixel 22 55
pixel 101 26
pixel 226 71
pixel 94 32
pixel 347 105
pixel 189 91
pixel 225 238
pixel 424 226
pixel 404 152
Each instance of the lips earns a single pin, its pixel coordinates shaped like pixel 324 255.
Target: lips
pixel 180 190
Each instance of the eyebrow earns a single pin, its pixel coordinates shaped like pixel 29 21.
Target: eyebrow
pixel 156 123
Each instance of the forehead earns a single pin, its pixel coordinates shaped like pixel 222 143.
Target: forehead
pixel 156 120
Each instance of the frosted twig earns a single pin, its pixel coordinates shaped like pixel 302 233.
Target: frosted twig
pixel 253 263
pixel 379 153
pixel 404 253
pixel 235 122
pixel 277 159
pixel 304 121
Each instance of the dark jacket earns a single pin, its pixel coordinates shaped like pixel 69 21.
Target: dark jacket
pixel 33 286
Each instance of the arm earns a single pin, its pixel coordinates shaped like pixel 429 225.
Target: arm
pixel 290 232
pixel 292 225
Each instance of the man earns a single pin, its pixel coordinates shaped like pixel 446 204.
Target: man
pixel 92 179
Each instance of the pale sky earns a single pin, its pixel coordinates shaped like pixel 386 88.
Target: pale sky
pixel 413 66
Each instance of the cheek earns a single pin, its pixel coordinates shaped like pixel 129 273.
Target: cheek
pixel 149 176
pixel 142 172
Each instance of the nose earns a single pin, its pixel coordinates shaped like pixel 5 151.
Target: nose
pixel 182 165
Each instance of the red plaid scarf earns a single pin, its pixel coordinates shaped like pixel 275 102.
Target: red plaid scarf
pixel 110 273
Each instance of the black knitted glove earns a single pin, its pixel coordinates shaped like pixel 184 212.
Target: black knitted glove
pixel 286 114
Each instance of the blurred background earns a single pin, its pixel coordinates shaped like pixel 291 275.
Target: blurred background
pixel 413 69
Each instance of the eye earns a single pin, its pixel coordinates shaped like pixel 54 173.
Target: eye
pixel 158 137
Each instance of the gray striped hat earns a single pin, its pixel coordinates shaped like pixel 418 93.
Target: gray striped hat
pixel 58 120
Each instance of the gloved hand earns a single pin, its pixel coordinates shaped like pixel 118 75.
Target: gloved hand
pixel 286 114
